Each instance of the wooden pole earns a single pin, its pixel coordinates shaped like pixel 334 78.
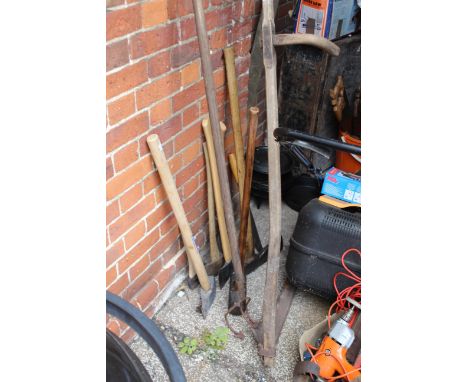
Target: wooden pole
pixel 274 186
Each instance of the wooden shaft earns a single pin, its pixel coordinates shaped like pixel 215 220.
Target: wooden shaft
pixel 214 253
pixel 217 192
pixel 169 185
pixel 274 183
pixel 245 206
pixel 235 114
pixel 307 39
pixel 233 164
pixel 218 146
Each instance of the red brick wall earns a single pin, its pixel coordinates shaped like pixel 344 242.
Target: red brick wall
pixel 154 85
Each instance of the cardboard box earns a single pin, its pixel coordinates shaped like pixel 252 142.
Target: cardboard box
pixel 342 185
pixel 326 18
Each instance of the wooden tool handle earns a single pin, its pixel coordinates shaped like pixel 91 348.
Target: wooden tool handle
pixel 217 192
pixel 214 253
pixel 249 241
pixel 307 39
pixel 235 114
pixel 169 185
pixel 245 207
pixel 233 164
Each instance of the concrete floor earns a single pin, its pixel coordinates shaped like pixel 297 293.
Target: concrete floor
pixel 239 361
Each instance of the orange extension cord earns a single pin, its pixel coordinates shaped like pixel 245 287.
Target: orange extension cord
pixel 341 304
pixel 353 291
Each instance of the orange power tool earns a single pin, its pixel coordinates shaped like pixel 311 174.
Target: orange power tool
pixel 331 355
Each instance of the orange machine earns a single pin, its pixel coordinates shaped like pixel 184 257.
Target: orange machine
pixel 331 355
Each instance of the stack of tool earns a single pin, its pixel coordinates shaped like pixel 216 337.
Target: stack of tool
pixel 244 253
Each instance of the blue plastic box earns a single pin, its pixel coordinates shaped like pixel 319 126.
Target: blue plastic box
pixel 342 185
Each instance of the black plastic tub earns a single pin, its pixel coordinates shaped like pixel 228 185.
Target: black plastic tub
pixel 322 234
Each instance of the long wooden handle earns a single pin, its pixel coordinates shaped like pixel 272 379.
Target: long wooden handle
pixel 245 207
pixel 169 185
pixel 217 192
pixel 235 114
pixel 214 253
pixel 307 39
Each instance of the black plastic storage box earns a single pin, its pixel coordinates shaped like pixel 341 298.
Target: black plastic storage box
pixel 321 236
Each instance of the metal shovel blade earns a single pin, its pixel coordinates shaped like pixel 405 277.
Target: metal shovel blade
pixel 207 296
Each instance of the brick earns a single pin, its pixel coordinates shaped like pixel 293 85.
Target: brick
pixel 217 60
pixel 111 275
pixel 112 212
pixel 126 221
pixel 218 18
pixel 192 152
pixel 219 78
pixel 188 96
pixel 188 136
pixel 218 39
pixel 151 182
pixel 155 218
pixel 122 21
pixel 109 168
pixel 165 276
pixel 147 294
pixel 160 112
pixel 137 284
pixel 138 251
pixel 191 114
pixel 190 73
pixel 126 156
pixel 119 285
pixel 190 187
pixel 242 48
pixel 189 171
pixel 169 239
pixel 179 8
pixel 190 204
pixel 114 3
pixel 139 267
pixel 121 108
pixel 148 42
pixel 116 54
pixel 114 253
pixel 158 89
pixel 118 184
pixel 188 28
pixel 183 54
pixel 159 64
pixel 127 131
pixel 125 79
pixel 113 326
pixel 131 197
pixel 153 13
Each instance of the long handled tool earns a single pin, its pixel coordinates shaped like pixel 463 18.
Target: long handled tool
pixel 216 259
pixel 245 205
pixel 208 283
pixel 210 89
pixel 270 333
pixel 226 270
pixel 229 60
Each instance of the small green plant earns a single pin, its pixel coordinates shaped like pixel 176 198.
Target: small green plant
pixel 216 340
pixel 209 342
pixel 188 345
